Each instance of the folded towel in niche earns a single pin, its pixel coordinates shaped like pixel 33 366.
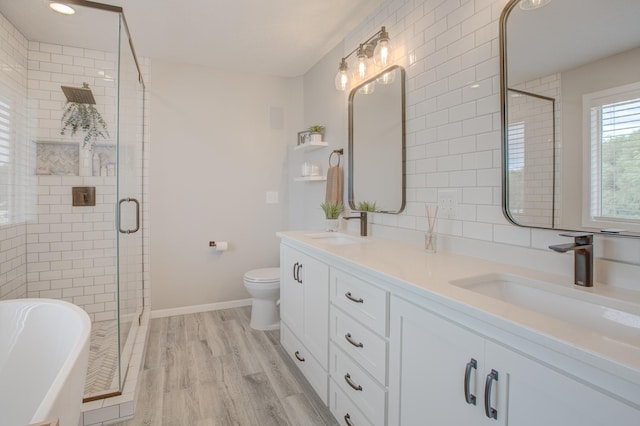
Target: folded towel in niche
pixel 334 185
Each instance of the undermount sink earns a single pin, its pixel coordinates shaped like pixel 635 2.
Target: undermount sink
pixel 336 238
pixel 613 318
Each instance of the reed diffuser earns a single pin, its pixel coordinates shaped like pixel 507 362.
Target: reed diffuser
pixel 431 237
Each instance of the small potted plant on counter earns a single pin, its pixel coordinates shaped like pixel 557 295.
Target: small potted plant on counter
pixel 367 206
pixel 332 214
pixel 316 133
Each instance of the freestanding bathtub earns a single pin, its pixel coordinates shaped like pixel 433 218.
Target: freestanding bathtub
pixel 44 348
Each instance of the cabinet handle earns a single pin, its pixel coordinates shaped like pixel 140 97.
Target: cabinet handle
pixel 297 354
pixel 490 412
pixel 353 342
pixel 353 299
pixel 295 270
pixel 347 420
pixel 351 383
pixel 299 279
pixel 468 396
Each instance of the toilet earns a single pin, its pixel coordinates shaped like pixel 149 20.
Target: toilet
pixel 264 286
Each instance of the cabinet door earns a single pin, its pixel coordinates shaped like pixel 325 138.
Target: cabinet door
pixel 539 395
pixel 291 291
pixel 314 277
pixel 428 356
pixel 304 301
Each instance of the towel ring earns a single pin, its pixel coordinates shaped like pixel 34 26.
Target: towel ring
pixel 339 152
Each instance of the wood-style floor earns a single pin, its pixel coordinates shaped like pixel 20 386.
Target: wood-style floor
pixel 212 369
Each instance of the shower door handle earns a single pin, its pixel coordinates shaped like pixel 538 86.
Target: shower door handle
pixel 137 228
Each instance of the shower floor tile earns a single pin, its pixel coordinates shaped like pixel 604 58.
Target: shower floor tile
pixel 103 358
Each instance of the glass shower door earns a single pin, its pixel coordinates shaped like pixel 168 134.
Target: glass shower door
pixel 129 195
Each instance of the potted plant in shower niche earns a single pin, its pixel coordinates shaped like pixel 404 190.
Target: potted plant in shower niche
pixel 332 214
pixel 316 133
pixel 80 114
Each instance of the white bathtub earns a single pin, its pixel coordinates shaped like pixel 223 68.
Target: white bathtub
pixel 44 348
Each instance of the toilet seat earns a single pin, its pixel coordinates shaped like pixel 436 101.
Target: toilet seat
pixel 264 275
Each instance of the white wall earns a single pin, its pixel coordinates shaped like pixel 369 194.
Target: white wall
pixel 453 134
pixel 218 147
pixel 323 105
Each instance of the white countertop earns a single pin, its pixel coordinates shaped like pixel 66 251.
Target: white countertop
pixel 409 268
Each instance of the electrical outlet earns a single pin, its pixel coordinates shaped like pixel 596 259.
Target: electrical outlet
pixel 272 197
pixel 447 203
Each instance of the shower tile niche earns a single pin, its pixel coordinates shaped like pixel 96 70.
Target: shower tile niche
pixel 56 158
pixel 63 159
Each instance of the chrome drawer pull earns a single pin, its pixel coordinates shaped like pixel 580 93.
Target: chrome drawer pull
pixel 353 342
pixel 353 299
pixel 351 383
pixel 347 420
pixel 468 396
pixel 297 354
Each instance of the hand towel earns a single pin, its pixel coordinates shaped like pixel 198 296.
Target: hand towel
pixel 334 185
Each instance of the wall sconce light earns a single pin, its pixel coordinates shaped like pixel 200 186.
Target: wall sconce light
pixel 376 47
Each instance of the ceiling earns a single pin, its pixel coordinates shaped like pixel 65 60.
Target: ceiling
pixel 274 37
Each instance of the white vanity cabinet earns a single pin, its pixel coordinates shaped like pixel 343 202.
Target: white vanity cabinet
pixel 358 349
pixel 438 368
pixel 304 312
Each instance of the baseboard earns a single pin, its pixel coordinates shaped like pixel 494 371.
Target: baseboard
pixel 194 309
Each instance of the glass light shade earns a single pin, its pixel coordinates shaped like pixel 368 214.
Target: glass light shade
pixel 387 77
pixel 342 79
pixel 362 65
pixel 382 54
pixel 62 8
pixel 368 88
pixel 532 4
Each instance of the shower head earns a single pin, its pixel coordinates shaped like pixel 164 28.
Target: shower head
pixel 80 95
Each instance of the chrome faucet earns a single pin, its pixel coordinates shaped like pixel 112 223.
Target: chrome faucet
pixel 363 222
pixel 583 256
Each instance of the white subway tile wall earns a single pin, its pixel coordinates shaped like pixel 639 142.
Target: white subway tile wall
pixel 13 162
pixel 50 248
pixel 72 250
pixel 531 119
pixel 450 50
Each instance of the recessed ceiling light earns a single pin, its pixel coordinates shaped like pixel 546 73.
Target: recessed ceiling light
pixel 475 86
pixel 62 8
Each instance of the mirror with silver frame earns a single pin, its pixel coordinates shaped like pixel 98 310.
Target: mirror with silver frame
pixel 570 98
pixel 377 142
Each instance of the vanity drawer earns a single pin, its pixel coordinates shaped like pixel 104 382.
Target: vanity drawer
pixel 362 300
pixel 367 348
pixel 308 365
pixel 361 388
pixel 344 410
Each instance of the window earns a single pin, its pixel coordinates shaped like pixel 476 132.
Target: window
pixel 613 142
pixel 5 161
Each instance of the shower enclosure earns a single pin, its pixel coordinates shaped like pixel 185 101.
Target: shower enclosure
pixel 71 204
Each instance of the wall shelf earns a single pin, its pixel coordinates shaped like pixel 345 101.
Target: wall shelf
pixel 311 146
pixel 310 179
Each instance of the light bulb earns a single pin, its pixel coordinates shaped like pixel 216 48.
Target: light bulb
pixel 382 54
pixel 342 77
pixel 387 77
pixel 362 62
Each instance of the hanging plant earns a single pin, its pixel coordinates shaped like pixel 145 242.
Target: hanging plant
pixel 86 118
